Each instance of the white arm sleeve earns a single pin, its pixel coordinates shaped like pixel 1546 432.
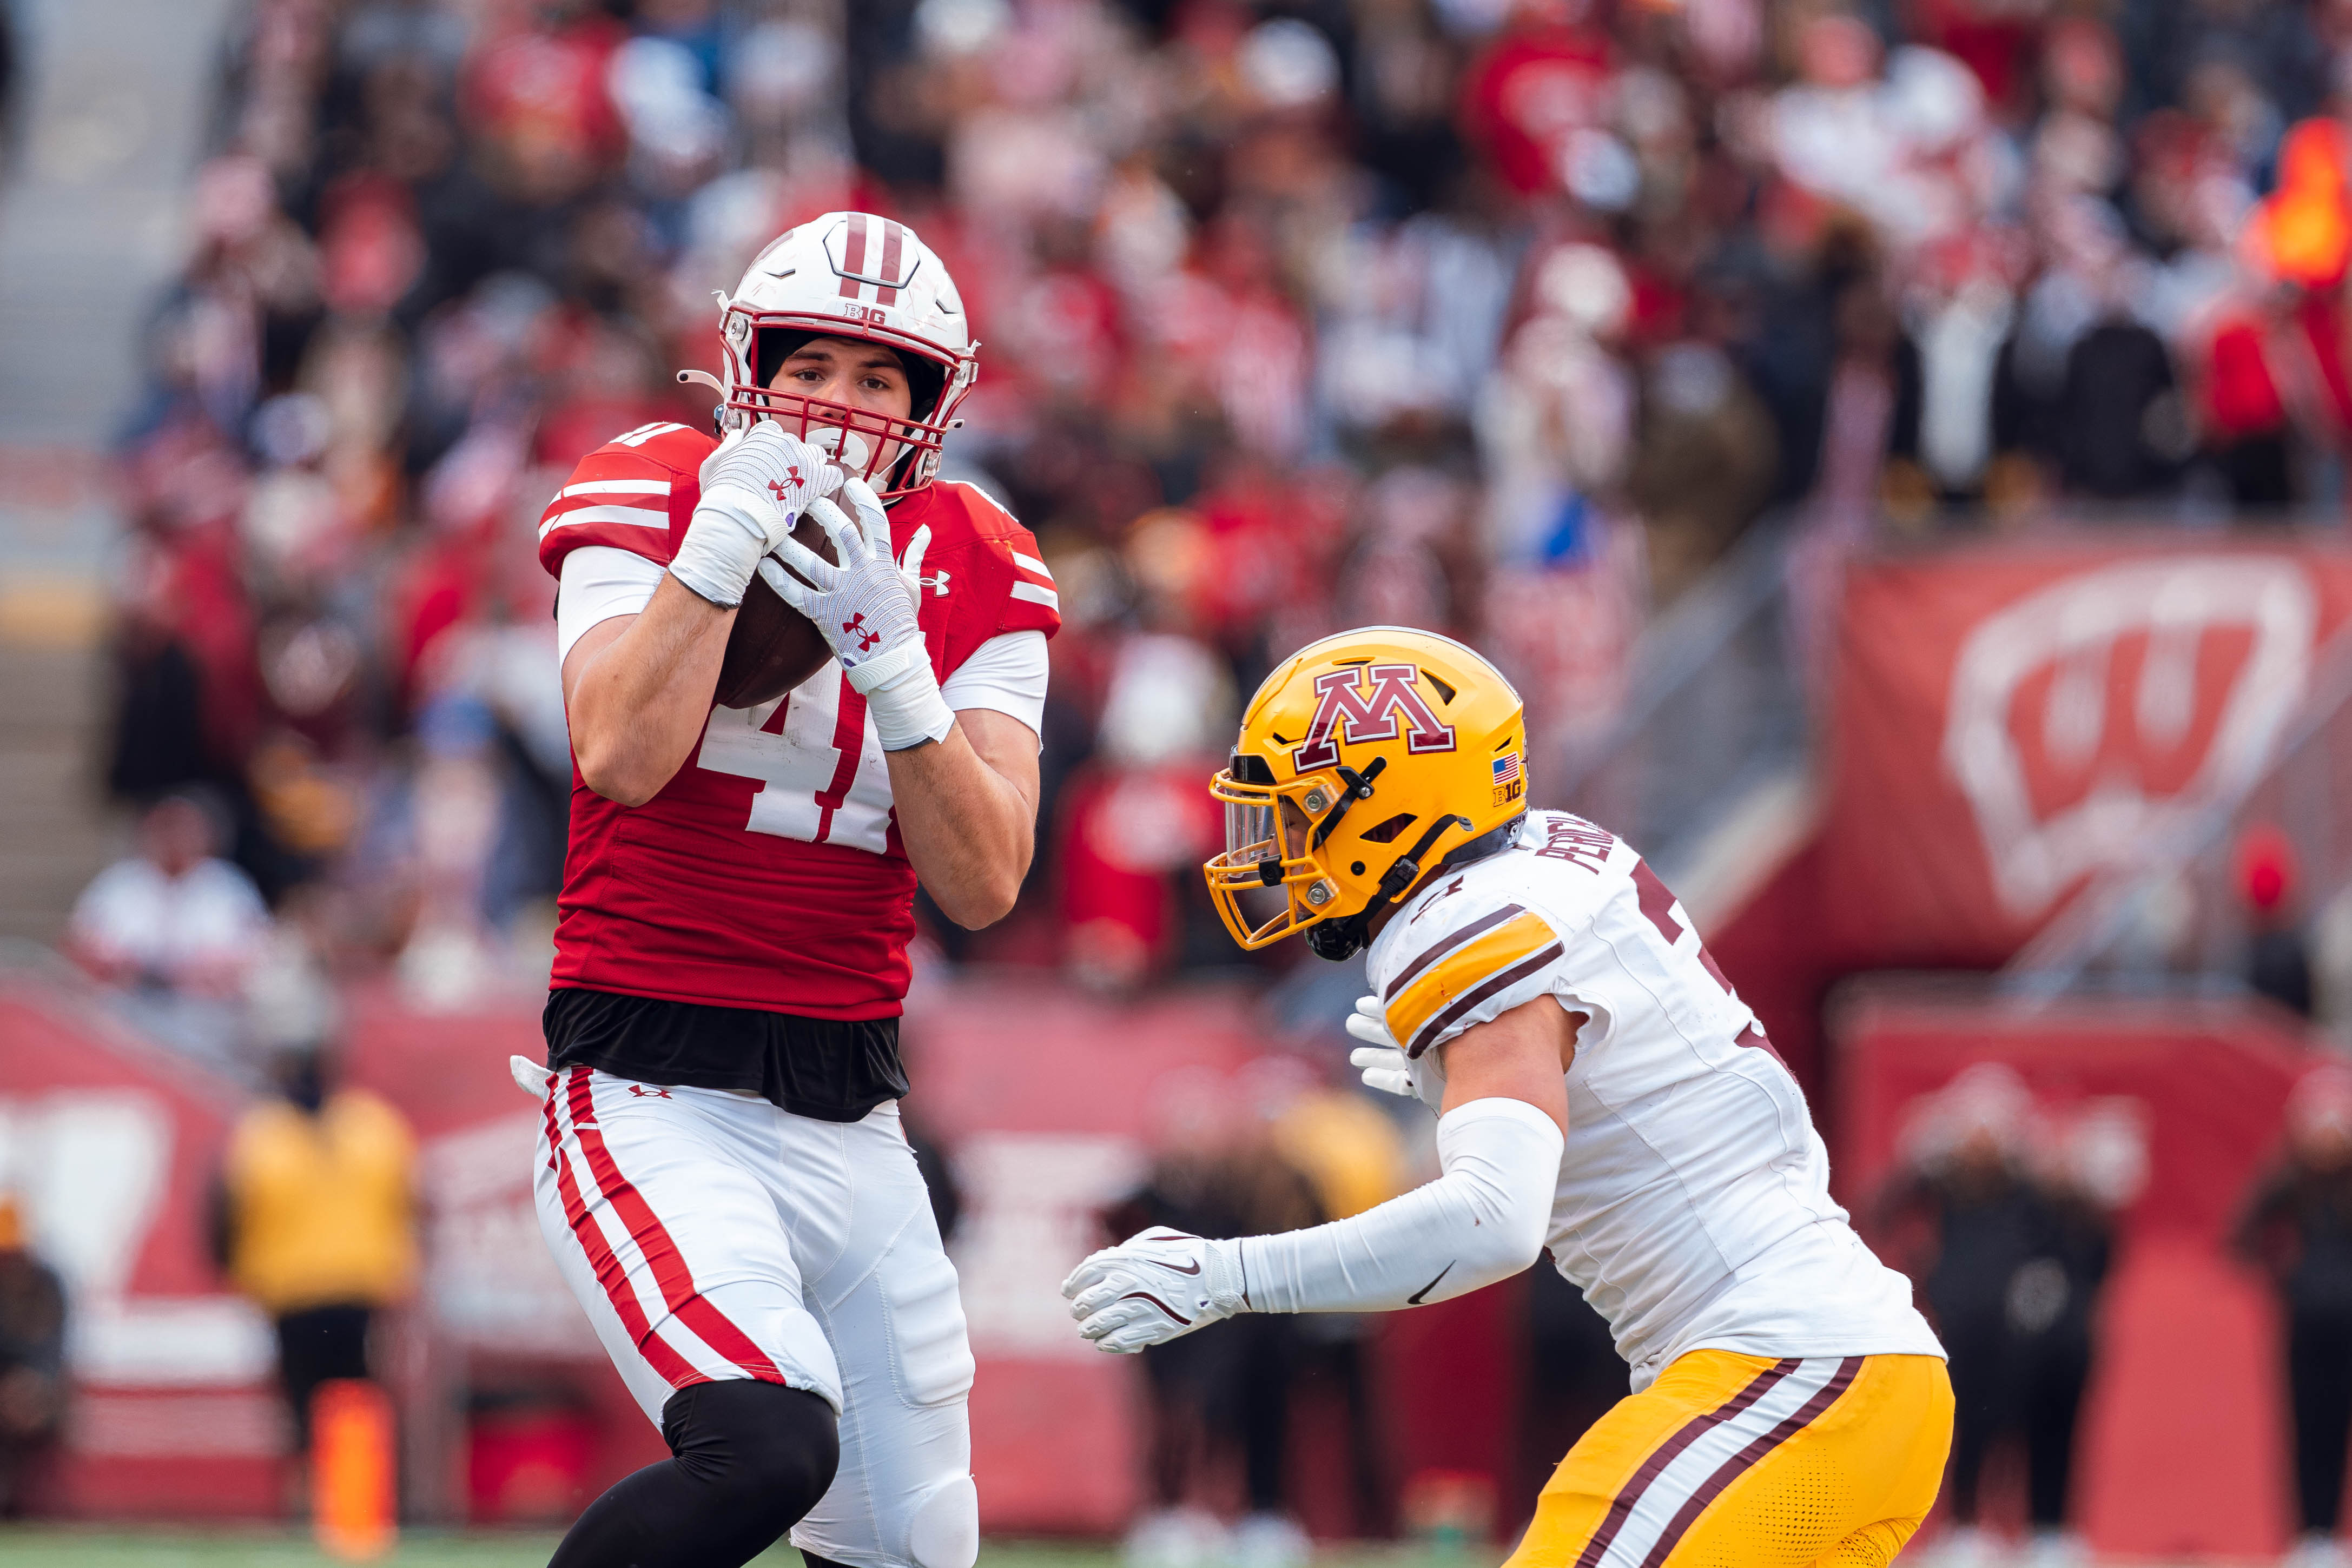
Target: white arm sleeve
pixel 1006 673
pixel 1481 1221
pixel 600 581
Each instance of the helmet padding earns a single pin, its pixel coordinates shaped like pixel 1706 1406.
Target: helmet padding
pixel 926 378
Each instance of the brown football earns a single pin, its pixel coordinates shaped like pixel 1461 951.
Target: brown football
pixel 773 647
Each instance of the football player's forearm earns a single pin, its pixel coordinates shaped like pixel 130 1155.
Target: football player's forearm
pixel 639 705
pixel 968 829
pixel 1482 1221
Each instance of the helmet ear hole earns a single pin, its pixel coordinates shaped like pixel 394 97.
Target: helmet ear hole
pixel 1356 869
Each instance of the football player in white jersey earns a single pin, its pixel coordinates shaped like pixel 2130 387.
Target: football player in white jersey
pixel 1602 1092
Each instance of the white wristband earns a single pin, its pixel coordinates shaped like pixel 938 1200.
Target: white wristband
pixel 719 552
pixel 1483 1220
pixel 904 697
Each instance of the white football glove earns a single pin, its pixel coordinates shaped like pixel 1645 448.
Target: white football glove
pixel 866 607
pixel 1155 1286
pixel 1383 1062
pixel 755 485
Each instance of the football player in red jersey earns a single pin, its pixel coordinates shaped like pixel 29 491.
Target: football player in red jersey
pixel 721 1173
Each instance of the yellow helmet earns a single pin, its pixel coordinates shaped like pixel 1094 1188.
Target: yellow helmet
pixel 1396 749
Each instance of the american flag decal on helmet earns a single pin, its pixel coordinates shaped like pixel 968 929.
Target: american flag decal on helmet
pixel 1506 767
pixel 873 260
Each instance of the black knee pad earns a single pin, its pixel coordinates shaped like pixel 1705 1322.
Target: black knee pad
pixel 768 1450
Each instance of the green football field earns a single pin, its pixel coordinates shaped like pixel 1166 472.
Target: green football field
pixel 98 1548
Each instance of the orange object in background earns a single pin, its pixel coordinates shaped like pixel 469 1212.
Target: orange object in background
pixel 2304 227
pixel 352 1470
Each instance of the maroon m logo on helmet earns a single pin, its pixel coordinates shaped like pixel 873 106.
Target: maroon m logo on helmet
pixel 1369 716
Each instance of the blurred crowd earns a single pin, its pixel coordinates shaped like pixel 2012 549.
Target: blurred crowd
pixel 1502 317
pixel 2003 1213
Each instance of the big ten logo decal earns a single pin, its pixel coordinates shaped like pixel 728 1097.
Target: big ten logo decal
pixel 488 1275
pixel 1035 1202
pixel 1368 702
pixel 1510 778
pixel 2095 719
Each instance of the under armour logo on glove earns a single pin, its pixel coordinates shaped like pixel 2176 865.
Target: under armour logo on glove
pixel 865 603
pixel 783 492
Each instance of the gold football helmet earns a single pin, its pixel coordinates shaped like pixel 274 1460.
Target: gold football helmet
pixel 1364 761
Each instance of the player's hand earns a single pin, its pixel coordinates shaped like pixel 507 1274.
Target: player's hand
pixel 755 485
pixel 1155 1286
pixel 865 608
pixel 1382 1061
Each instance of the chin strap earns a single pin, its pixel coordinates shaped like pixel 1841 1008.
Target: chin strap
pixel 1339 939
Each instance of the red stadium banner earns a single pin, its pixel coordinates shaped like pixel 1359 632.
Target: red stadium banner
pixel 2012 719
pixel 1049 1103
pixel 108 1146
pixel 2181 1451
pixel 1048 1100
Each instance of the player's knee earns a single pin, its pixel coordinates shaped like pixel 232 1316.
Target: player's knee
pixel 944 1530
pixel 760 1448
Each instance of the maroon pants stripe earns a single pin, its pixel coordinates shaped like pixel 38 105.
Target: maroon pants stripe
pixel 1740 1463
pixel 1691 1431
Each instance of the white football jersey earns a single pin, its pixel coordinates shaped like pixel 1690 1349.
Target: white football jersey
pixel 1693 1208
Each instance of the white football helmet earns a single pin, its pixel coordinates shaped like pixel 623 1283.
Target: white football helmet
pixel 849 275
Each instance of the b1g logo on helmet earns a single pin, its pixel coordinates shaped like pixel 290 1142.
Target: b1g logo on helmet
pixel 1339 700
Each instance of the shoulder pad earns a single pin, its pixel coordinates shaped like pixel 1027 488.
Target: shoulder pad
pixel 999 554
pixel 989 516
pixel 677 447
pixel 625 494
pixel 1468 954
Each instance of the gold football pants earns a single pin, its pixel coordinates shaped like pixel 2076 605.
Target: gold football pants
pixel 1742 1461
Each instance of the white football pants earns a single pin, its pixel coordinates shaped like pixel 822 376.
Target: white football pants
pixel 709 1235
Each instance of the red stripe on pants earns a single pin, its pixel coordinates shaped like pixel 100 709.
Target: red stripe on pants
pixel 652 1239
pixel 673 1367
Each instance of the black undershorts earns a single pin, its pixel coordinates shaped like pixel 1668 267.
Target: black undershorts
pixel 826 1069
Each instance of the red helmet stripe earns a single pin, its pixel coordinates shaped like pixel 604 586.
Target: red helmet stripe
pixel 893 239
pixel 852 259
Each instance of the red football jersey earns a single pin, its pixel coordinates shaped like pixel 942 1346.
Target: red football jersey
pixel 768 873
